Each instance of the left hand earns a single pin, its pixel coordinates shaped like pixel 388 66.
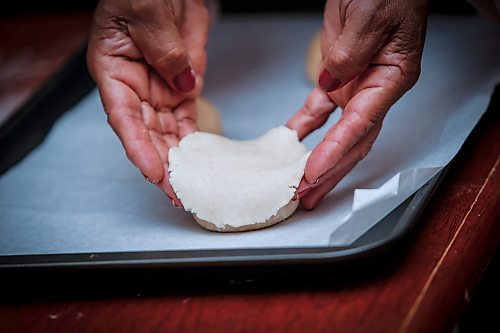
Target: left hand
pixel 371 53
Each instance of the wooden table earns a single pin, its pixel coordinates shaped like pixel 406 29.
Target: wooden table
pixel 424 288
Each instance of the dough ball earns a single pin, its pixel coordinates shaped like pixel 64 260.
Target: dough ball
pixel 208 118
pixel 313 60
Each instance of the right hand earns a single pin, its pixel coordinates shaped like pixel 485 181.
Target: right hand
pixel 148 59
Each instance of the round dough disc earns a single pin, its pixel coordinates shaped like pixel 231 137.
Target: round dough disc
pixel 231 185
pixel 282 215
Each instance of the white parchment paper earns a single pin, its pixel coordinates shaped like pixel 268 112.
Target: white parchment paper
pixel 77 192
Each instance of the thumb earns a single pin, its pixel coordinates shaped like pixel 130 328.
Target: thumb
pixel 349 54
pixel 163 48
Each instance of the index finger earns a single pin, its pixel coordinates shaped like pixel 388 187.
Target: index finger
pixel 361 113
pixel 195 34
pixel 313 114
pixel 123 108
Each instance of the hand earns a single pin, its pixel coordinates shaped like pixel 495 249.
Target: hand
pixel 148 58
pixel 371 53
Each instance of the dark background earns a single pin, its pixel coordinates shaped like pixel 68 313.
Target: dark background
pixel 227 6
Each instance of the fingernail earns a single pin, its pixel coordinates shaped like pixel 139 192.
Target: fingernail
pixel 303 193
pixel 149 180
pixel 304 187
pixel 175 204
pixel 185 80
pixel 327 82
pixel 310 184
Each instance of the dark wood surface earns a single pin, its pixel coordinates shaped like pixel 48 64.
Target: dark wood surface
pixel 424 288
pixel 32 48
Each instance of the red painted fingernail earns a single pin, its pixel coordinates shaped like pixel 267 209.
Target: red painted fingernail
pixel 327 82
pixel 185 80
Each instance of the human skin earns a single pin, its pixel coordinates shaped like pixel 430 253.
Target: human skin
pixel 371 51
pixel 148 59
pixel 488 8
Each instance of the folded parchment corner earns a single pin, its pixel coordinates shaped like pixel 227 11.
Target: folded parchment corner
pixel 369 206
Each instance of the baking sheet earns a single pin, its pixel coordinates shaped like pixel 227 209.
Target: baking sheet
pixel 77 192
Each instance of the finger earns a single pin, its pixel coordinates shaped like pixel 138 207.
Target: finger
pixel 162 130
pixel 311 198
pixel 165 186
pixel 333 176
pixel 357 153
pixel 160 144
pixel 125 117
pixel 365 109
pixel 164 49
pixel 168 123
pixel 313 114
pixel 185 115
pixel 195 34
pixel 163 144
pixel 347 54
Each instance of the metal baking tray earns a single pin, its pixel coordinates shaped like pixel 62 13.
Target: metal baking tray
pixel 33 121
pixel 380 238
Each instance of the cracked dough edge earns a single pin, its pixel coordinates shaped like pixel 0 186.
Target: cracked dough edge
pixel 284 213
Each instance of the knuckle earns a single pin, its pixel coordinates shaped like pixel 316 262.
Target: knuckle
pixel 172 57
pixel 319 101
pixel 332 139
pixel 344 62
pixel 306 112
pixel 363 119
pixel 110 119
pixel 203 11
pixel 364 152
pixel 367 9
pixel 341 58
pixel 142 7
pixel 307 204
pixel 114 122
pixel 413 76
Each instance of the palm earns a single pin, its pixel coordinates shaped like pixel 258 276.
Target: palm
pixel 148 59
pixel 150 116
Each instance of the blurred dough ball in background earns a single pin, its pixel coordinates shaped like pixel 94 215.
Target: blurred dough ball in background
pixel 208 118
pixel 313 60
